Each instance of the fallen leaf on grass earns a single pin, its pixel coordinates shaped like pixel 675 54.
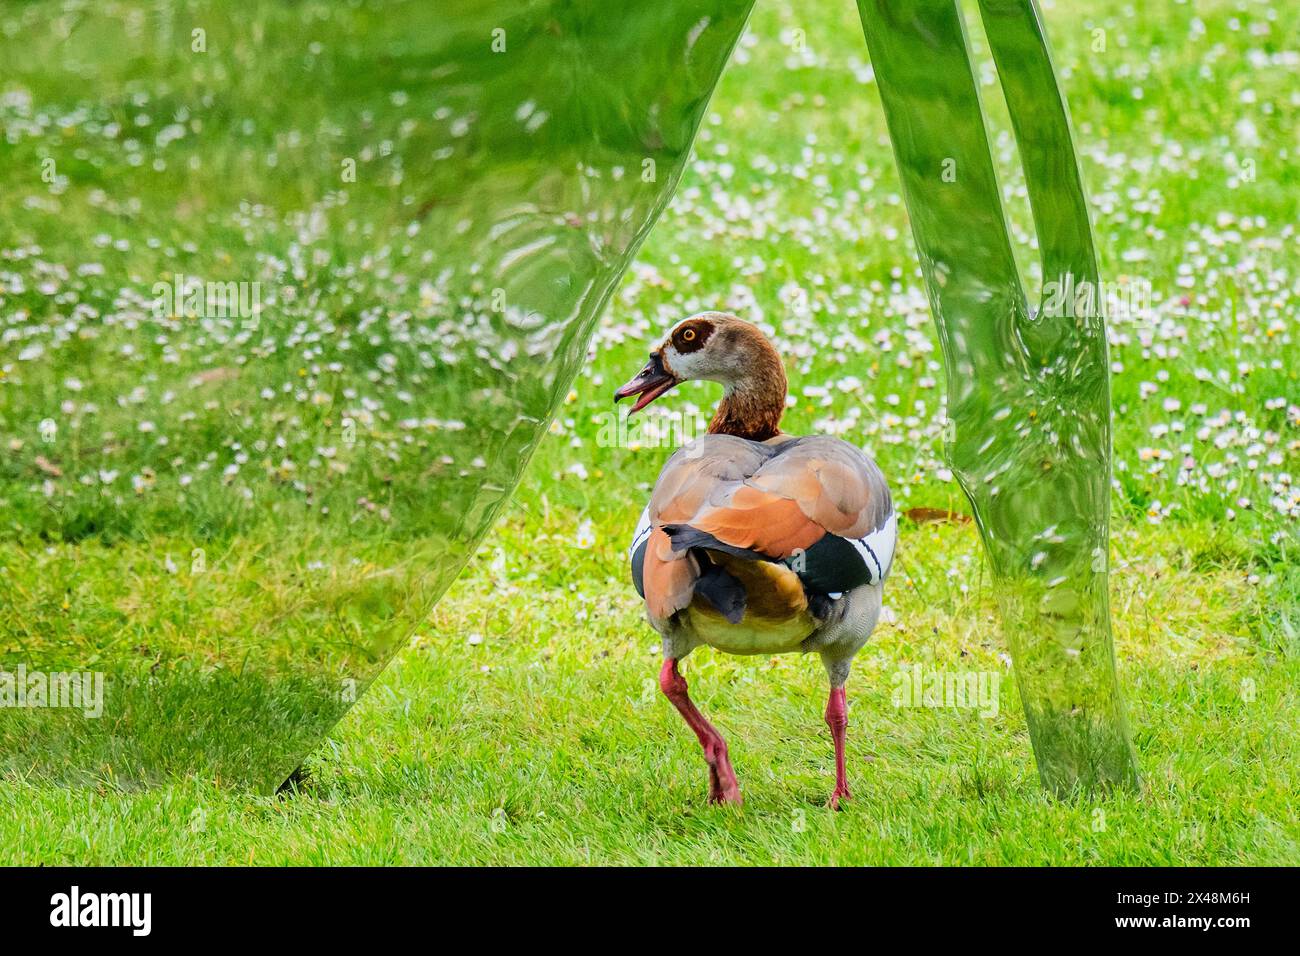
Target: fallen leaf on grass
pixel 932 515
pixel 49 467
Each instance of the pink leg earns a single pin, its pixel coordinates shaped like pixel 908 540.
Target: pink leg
pixel 837 718
pixel 722 779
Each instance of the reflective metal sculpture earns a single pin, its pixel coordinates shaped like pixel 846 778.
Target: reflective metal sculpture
pixel 1028 389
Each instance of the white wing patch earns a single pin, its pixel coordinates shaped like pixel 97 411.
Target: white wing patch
pixel 877 548
pixel 883 541
pixel 642 532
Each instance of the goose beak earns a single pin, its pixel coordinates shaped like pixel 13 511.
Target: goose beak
pixel 651 382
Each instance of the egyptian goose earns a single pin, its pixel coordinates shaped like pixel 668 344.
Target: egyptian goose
pixel 754 541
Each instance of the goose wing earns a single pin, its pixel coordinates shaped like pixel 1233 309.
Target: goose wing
pixel 818 505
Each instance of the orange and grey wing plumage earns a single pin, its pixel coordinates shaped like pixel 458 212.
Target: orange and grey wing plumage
pixel 835 485
pixel 695 478
pixel 817 505
pixel 669 576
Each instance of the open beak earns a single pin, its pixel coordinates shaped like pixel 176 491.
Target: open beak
pixel 651 382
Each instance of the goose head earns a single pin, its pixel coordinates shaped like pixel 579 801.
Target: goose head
pixel 717 347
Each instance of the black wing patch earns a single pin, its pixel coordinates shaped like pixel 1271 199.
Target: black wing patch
pixel 638 568
pixel 833 565
pixel 723 591
pixel 636 551
pixel 683 536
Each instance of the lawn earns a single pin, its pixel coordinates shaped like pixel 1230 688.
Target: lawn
pixel 520 721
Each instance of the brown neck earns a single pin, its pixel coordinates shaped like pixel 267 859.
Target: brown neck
pixel 752 407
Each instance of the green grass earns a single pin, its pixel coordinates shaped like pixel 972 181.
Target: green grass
pixel 547 742
pixel 523 724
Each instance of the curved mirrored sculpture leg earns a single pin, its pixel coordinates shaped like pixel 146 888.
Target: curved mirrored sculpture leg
pixel 234 513
pixel 1027 389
